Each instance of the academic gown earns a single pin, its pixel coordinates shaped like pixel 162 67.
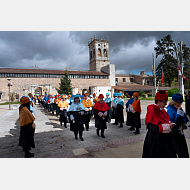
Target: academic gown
pixel 100 123
pixel 187 105
pixel 177 131
pixel 114 111
pixel 87 114
pixel 108 102
pixel 63 113
pixel 79 118
pixel 129 114
pixel 120 106
pixel 26 139
pixel 158 144
pixel 136 119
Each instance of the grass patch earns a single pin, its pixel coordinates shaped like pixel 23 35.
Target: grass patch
pixel 7 103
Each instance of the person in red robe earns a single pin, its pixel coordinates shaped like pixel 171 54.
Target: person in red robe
pixel 159 142
pixel 101 115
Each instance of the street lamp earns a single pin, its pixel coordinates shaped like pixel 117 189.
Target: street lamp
pixel 116 86
pixel 9 85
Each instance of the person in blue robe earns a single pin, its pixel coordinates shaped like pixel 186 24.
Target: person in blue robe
pixel 178 117
pixel 76 117
pixel 114 108
pixel 108 102
pixel 120 106
pixel 128 110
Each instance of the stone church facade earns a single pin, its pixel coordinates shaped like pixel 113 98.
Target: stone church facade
pixel 99 79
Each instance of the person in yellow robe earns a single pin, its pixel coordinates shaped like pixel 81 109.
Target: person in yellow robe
pixel 27 127
pixel 63 106
pixel 88 110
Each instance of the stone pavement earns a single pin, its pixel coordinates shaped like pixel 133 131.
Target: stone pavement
pixel 55 141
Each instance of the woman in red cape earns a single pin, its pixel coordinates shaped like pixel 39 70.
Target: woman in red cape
pixel 101 115
pixel 159 142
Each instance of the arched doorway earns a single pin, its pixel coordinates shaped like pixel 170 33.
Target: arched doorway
pixel 38 91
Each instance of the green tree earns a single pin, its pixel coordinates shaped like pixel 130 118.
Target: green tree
pixel 168 62
pixel 186 68
pixel 65 85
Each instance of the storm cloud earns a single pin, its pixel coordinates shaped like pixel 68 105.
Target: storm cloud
pixel 130 51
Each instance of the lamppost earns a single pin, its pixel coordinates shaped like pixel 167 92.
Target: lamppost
pixel 116 86
pixel 9 85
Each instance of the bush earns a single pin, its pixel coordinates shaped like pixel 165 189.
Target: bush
pixel 172 91
pixel 141 93
pixel 149 94
pixel 124 96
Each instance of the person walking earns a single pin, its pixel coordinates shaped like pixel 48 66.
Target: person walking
pixel 63 105
pixel 107 100
pixel 136 111
pixel 101 111
pixel 56 102
pixel 27 127
pixel 178 117
pixel 120 106
pixel 114 108
pixel 128 110
pixel 76 117
pixel 88 107
pixel 159 142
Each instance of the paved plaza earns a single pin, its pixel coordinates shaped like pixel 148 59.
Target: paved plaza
pixel 55 141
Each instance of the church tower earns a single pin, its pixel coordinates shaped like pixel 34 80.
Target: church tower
pixel 98 53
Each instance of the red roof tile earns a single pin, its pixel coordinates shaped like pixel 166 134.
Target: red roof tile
pixel 43 71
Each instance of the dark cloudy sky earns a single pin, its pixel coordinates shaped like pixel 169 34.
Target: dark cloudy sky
pixel 129 51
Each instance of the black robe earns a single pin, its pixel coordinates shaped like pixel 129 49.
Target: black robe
pixel 129 118
pixel 180 139
pixel 87 116
pixel 119 114
pixel 158 145
pixel 114 113
pixel 100 123
pixel 187 105
pixel 79 121
pixel 110 111
pixel 136 120
pixel 63 116
pixel 26 139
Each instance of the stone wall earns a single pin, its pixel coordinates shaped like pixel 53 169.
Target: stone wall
pixel 23 86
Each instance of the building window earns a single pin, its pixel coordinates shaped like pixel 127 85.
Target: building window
pixel 131 79
pixel 99 52
pixel 91 55
pixel 124 80
pixel 116 79
pixel 105 53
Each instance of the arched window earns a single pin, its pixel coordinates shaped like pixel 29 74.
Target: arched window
pixel 105 53
pixel 99 52
pixel 91 55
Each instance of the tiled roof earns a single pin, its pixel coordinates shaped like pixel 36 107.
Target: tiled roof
pixel 138 87
pixel 43 71
pixel 132 75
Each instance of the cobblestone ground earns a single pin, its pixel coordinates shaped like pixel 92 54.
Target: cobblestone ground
pixel 55 141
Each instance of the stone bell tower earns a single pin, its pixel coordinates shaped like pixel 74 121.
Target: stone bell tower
pixel 98 53
pixel 99 58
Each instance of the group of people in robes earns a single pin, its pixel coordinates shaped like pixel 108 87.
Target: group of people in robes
pixel 165 137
